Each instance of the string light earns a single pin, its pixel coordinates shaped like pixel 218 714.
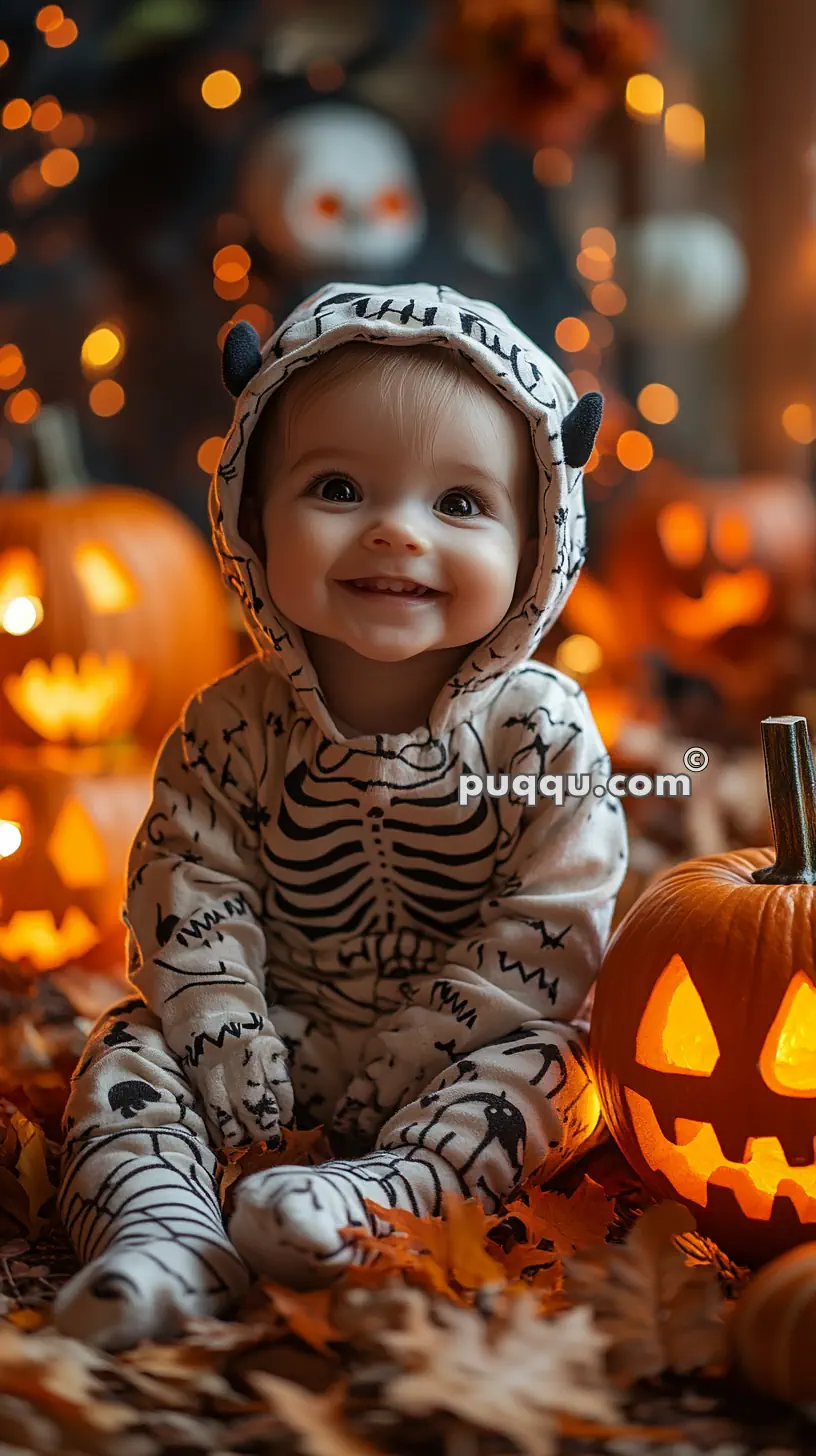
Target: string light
pixel 62 35
pixel 644 97
pixel 8 248
pixel 571 335
pixel 71 131
pixel 578 654
pixel 4 53
pixel 595 264
pixel 552 167
pixel 59 167
pixel 684 130
pixel 209 453
pixel 635 450
pixel 12 367
pixel 231 263
pixel 220 89
pixel 22 406
pixel 16 113
pixel 255 314
pixel 106 397
pixel 797 422
pixel 102 347
pixel 50 17
pixel 608 298
pixel 231 290
pixel 658 403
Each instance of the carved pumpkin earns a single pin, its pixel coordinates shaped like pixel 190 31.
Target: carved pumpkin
pixel 703 1033
pixel 67 819
pixel 112 611
pixel 716 578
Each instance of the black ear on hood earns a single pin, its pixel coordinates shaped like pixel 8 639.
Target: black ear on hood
pixel 241 357
pixel 579 429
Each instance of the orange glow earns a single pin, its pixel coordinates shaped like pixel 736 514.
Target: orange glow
pixel 33 935
pixel 578 655
pixel 675 1034
pixel 681 529
pixel 552 167
pixel 16 113
pixel 634 450
pixel 49 17
pixel 12 367
pixel 105 580
pixel 797 422
pixel 594 263
pixel 11 837
pixel 8 248
pixel 230 290
pixel 106 398
pixel 71 131
pixel 255 314
pixel 684 129
pixel 209 454
pixel 599 237
pixel 220 89
pixel 46 114
pixel 28 186
pixel 658 404
pixel 22 406
pixel 644 97
pixel 4 53
pixel 231 263
pixel 103 346
pixel 571 335
pixel 730 537
pixel 76 850
pixel 696 1160
pixel 59 167
pixel 21 588
pixel 97 699
pixel 608 298
pixel 62 35
pixel 788 1058
pixel 730 599
pixel 327 205
pixel 394 202
pixel 601 331
pixel 582 381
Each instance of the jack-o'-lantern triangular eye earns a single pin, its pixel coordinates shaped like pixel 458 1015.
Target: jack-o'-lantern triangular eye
pixel 788 1058
pixel 675 1033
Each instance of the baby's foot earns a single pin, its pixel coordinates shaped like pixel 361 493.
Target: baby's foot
pixel 139 1293
pixel 287 1220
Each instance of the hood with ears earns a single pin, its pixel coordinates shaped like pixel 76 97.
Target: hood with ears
pixel 562 430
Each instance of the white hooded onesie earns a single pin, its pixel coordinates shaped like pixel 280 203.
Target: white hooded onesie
pixel 318 927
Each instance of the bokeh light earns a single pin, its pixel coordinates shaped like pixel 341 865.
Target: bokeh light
pixel 59 167
pixel 103 346
pixel 46 114
pixel 552 167
pixel 62 35
pixel 8 248
pixel 608 298
pixel 572 335
pixel 49 17
pixel 12 367
pixel 658 403
pixel 635 450
pixel 684 130
pixel 595 264
pixel 4 52
pixel 599 237
pixel 231 263
pixel 578 655
pixel 220 89
pixel 16 113
pixel 644 97
pixel 797 422
pixel 22 406
pixel 106 397
pixel 209 453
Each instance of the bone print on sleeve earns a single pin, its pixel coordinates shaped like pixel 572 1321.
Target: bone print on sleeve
pixel 542 931
pixel 197 946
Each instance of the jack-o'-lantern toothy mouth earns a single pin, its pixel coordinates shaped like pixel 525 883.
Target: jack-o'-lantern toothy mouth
pixel 728 599
pixel 695 1160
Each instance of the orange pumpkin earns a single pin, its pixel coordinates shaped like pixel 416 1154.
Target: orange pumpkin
pixel 112 613
pixel 703 1033
pixel 772 1329
pixel 67 819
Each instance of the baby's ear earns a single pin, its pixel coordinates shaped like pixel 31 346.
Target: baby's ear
pixel 580 427
pixel 241 357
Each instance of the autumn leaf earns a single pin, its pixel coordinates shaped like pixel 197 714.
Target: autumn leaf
pixel 32 1172
pixel 658 1311
pixel 316 1418
pixel 296 1148
pixel 307 1314
pixel 570 1223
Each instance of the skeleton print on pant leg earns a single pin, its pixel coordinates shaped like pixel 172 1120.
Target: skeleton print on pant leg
pixel 482 1125
pixel 138 1192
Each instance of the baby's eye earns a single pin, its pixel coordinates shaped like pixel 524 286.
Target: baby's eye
pixel 332 483
pixel 466 496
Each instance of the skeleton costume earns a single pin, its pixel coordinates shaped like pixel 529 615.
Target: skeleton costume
pixel 319 932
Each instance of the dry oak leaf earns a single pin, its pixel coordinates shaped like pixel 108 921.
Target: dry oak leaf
pixel 568 1222
pixel 658 1312
pixel 513 1374
pixel 307 1314
pixel 316 1419
pixel 296 1148
pixel 32 1172
pixel 61 1379
pixel 445 1254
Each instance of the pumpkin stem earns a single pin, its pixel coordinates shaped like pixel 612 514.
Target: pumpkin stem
pixel 791 784
pixel 57 466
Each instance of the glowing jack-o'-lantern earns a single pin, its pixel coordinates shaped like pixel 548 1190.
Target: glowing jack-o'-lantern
pixel 714 578
pixel 112 611
pixel 67 818
pixel 703 1036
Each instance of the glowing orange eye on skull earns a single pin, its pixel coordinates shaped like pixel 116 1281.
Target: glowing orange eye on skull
pixel 393 202
pixel 328 205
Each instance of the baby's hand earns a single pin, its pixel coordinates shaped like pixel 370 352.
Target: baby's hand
pixel 373 1096
pixel 245 1090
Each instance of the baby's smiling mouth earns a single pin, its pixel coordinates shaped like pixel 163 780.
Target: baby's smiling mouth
pixel 400 586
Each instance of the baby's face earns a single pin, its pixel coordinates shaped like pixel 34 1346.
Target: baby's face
pixel 358 489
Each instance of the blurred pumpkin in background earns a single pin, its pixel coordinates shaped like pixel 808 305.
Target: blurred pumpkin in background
pixel 112 608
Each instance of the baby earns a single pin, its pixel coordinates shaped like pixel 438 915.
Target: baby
pixel 320 931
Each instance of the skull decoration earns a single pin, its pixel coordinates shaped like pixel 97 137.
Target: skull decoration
pixel 703 1036
pixel 334 186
